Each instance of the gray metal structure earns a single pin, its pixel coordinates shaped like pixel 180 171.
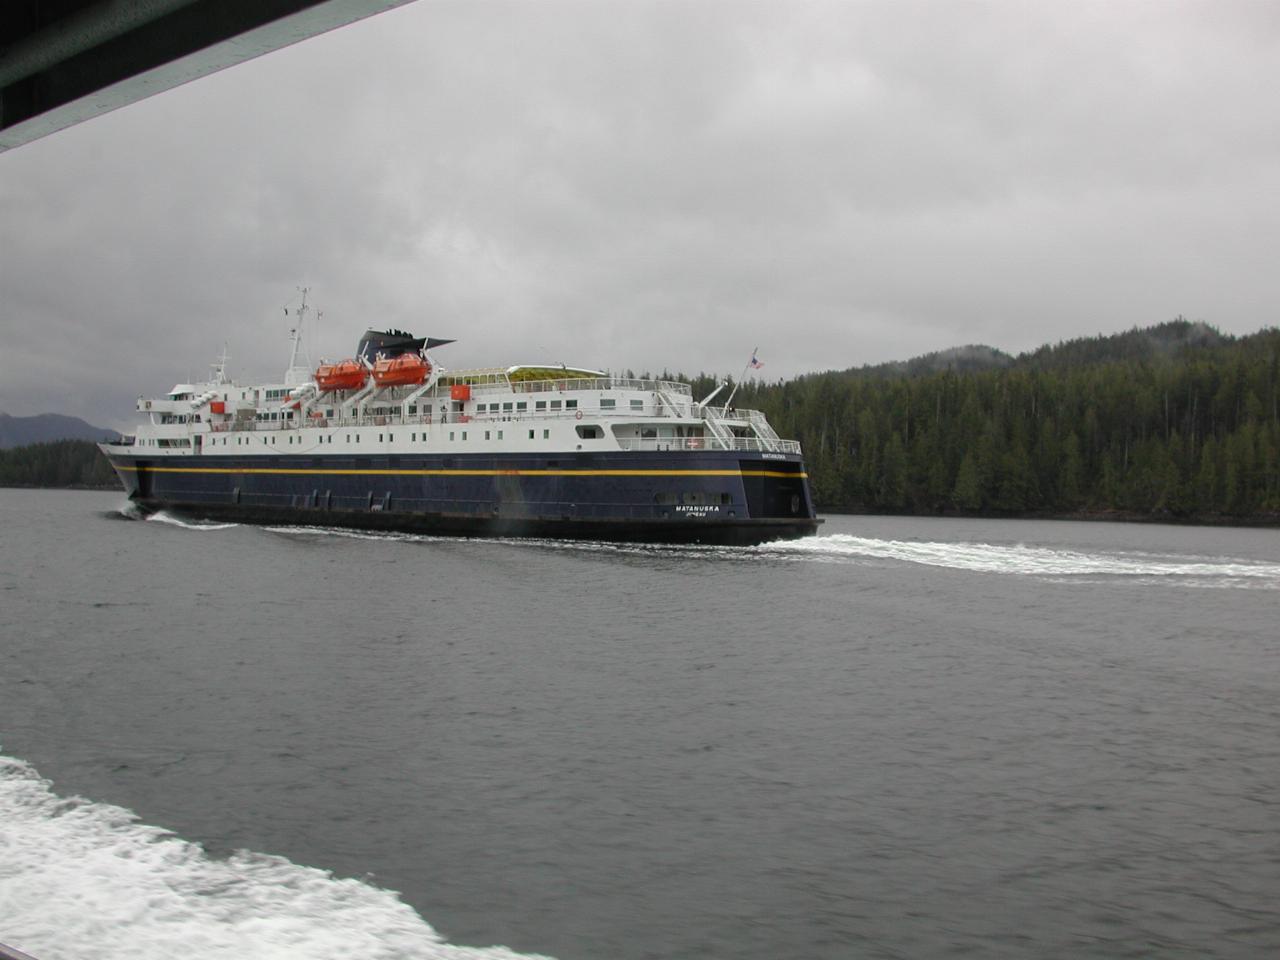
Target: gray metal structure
pixel 64 61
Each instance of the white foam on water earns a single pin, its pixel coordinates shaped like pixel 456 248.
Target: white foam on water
pixel 1036 561
pixel 161 516
pixel 129 510
pixel 352 533
pixel 82 880
pixel 1018 559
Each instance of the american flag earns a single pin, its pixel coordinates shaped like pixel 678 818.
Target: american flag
pixel 755 364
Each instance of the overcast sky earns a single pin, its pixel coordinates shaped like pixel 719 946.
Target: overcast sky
pixel 646 185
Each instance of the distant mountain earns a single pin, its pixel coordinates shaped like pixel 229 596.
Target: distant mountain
pixel 46 427
pixel 973 358
pixel 1149 343
pixel 1139 344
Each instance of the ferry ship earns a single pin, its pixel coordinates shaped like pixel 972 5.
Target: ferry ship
pixel 391 440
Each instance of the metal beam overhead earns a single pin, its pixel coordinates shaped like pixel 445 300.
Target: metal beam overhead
pixel 64 61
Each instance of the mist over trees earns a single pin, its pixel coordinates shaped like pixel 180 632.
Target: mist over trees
pixel 1176 421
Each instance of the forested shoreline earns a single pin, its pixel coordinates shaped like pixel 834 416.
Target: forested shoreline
pixel 59 463
pixel 1174 423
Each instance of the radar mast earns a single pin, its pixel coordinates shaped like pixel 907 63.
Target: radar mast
pixel 297 375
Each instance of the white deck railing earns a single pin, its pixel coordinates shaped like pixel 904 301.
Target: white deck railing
pixel 587 383
pixel 708 443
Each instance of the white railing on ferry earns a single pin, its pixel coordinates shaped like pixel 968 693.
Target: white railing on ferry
pixel 590 383
pixel 708 443
pixel 751 416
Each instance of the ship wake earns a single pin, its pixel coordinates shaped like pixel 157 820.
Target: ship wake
pixel 163 516
pixel 1044 562
pixel 80 879
pixel 1037 561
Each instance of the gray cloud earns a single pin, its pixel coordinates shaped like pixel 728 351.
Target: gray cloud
pixel 654 185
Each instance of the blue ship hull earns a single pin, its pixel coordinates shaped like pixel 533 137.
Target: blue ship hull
pixel 721 497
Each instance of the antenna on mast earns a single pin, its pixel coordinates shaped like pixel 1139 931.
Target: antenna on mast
pixel 220 365
pixel 307 350
pixel 297 375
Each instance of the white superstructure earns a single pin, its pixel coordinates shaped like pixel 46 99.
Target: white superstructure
pixel 519 408
pixel 516 409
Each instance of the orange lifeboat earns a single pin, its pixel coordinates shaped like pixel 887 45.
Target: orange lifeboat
pixel 405 370
pixel 344 375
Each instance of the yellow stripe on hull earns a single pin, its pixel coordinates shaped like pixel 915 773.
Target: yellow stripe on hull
pixel 313 472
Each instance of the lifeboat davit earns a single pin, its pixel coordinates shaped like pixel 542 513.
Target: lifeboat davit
pixel 407 369
pixel 344 375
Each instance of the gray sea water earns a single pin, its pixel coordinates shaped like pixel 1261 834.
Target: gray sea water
pixel 903 738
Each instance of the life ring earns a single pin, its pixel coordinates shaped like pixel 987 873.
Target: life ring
pixel 578 415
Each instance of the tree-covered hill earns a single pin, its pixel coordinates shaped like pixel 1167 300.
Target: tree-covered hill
pixel 1177 421
pixel 1172 339
pixel 974 358
pixel 63 463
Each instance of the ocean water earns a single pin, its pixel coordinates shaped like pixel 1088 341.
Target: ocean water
pixel 902 738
